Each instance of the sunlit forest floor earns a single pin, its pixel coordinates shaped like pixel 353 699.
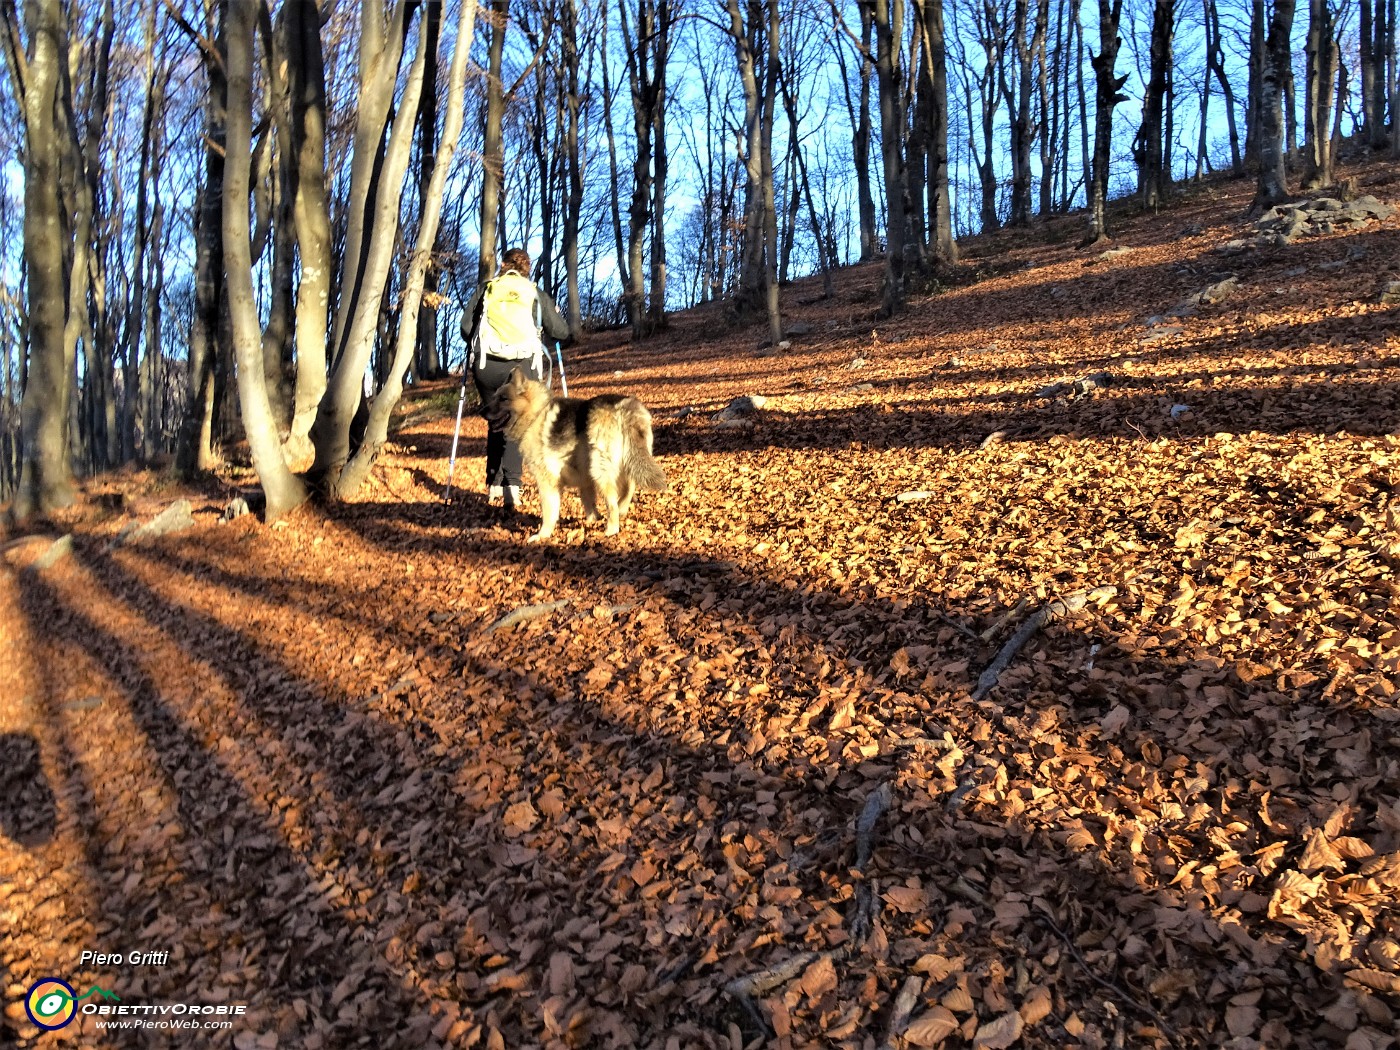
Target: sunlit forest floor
pixel 311 763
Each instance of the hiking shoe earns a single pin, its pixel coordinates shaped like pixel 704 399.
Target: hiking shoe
pixel 511 498
pixel 494 496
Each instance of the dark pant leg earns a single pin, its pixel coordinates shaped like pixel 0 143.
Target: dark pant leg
pixel 504 464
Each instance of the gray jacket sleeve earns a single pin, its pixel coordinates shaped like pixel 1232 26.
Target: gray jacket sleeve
pixel 551 320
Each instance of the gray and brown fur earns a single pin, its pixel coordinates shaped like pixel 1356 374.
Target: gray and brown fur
pixel 601 446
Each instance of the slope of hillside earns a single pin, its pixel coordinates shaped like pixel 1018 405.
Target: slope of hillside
pixel 730 780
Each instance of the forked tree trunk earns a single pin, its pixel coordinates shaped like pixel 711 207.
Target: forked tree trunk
pixel 380 51
pixel 331 432
pixel 283 489
pixel 1322 61
pixel 377 430
pixel 1215 66
pixel 935 75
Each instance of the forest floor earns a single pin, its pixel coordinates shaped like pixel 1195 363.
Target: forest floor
pixel 728 779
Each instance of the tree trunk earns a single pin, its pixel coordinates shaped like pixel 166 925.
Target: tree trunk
pixel 46 479
pixel 1023 126
pixel 573 207
pixel 935 74
pixel 865 198
pixel 1277 57
pixel 493 147
pixel 1154 175
pixel 196 448
pixel 87 291
pixel 991 38
pixel 770 208
pixel 1258 28
pixel 1215 64
pixel 425 355
pixel 747 39
pixel 311 211
pixel 656 313
pixel 1108 89
pixel 614 206
pixel 647 55
pixel 380 51
pixel 889 34
pixel 283 489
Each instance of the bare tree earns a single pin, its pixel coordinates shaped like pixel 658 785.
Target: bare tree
pixel 311 215
pixel 1107 95
pixel 754 31
pixel 283 489
pixel 46 479
pixel 1275 63
pixel 493 150
pixel 858 108
pixel 1153 139
pixel 377 429
pixel 933 88
pixel 378 225
pixel 647 53
pixel 1323 59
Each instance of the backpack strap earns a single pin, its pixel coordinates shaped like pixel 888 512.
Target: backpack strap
pixel 476 341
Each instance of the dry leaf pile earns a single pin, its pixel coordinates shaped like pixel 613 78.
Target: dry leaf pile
pixel 392 778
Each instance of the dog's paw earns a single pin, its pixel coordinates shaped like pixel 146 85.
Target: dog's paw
pixel 537 537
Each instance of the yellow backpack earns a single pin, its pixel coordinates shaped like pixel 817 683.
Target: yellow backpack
pixel 510 325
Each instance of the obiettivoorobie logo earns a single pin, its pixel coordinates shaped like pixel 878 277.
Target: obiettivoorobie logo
pixel 52 1004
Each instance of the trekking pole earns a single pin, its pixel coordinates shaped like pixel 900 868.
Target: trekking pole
pixel 456 431
pixel 563 381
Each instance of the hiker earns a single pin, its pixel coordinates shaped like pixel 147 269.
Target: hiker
pixel 504 332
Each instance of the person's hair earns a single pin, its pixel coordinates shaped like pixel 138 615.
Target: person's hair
pixel 516 260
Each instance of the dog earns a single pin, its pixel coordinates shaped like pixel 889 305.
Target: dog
pixel 601 446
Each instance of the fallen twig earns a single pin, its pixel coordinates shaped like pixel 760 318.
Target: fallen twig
pixel 1047 613
pixel 765 981
pixel 744 990
pixel 524 613
pixel 1003 620
pixel 904 1004
pixel 961 628
pixel 1104 983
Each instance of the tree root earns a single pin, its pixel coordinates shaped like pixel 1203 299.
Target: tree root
pixel 747 989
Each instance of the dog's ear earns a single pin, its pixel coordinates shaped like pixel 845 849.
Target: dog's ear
pixel 517 378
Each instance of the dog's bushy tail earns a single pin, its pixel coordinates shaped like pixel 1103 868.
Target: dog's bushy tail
pixel 641 467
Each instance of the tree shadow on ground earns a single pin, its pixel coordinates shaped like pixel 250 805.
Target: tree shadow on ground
pixel 793 790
